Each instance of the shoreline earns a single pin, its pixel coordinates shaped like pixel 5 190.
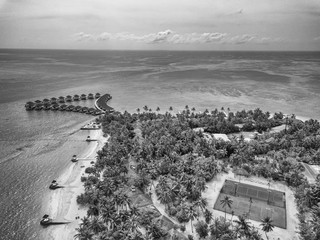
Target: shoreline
pixel 63 202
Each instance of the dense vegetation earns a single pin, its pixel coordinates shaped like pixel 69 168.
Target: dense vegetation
pixel 167 154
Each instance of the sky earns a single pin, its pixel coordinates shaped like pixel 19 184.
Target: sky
pixel 270 25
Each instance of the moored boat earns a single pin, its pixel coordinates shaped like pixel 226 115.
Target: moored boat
pixel 97 95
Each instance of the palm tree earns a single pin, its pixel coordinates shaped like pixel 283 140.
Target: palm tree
pixel 244 226
pixel 145 108
pixel 250 203
pixel 84 233
pixel 226 202
pixel 208 216
pixel 186 107
pixel 170 108
pixel 267 225
pixel 138 110
pixel 158 109
pixel 96 225
pixel 232 214
pixel 193 109
pixel 201 203
pixel 192 214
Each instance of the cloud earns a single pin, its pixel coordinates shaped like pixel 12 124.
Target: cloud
pixel 171 37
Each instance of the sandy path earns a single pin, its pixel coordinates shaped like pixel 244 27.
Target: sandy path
pixel 63 205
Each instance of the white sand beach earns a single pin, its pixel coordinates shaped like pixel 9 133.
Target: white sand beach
pixel 63 203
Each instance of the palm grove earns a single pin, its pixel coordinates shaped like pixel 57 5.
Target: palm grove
pixel 178 161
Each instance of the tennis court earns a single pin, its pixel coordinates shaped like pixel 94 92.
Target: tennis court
pixel 254 202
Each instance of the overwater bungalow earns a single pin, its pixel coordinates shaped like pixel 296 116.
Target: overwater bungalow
pixel 70 108
pixel 77 108
pixel 90 96
pixel 63 107
pixel 68 98
pixel 46 100
pixel 84 110
pixel 83 97
pixel 30 106
pixel 38 106
pixel 91 110
pixel 61 99
pixel 53 100
pixel 55 107
pixel 97 95
pixel 47 106
pixel 76 98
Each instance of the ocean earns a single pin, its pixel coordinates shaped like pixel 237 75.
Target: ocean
pixel 36 146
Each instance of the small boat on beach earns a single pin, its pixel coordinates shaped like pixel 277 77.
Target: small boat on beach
pixel 46 221
pixel 90 96
pixel 83 97
pixel 54 185
pixel 76 98
pixel 74 158
pixel 68 98
pixel 89 139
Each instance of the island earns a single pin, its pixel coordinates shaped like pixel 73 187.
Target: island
pixel 215 174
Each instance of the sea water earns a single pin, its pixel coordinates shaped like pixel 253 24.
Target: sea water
pixel 36 146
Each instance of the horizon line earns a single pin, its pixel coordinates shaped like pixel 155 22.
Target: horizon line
pixel 155 50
